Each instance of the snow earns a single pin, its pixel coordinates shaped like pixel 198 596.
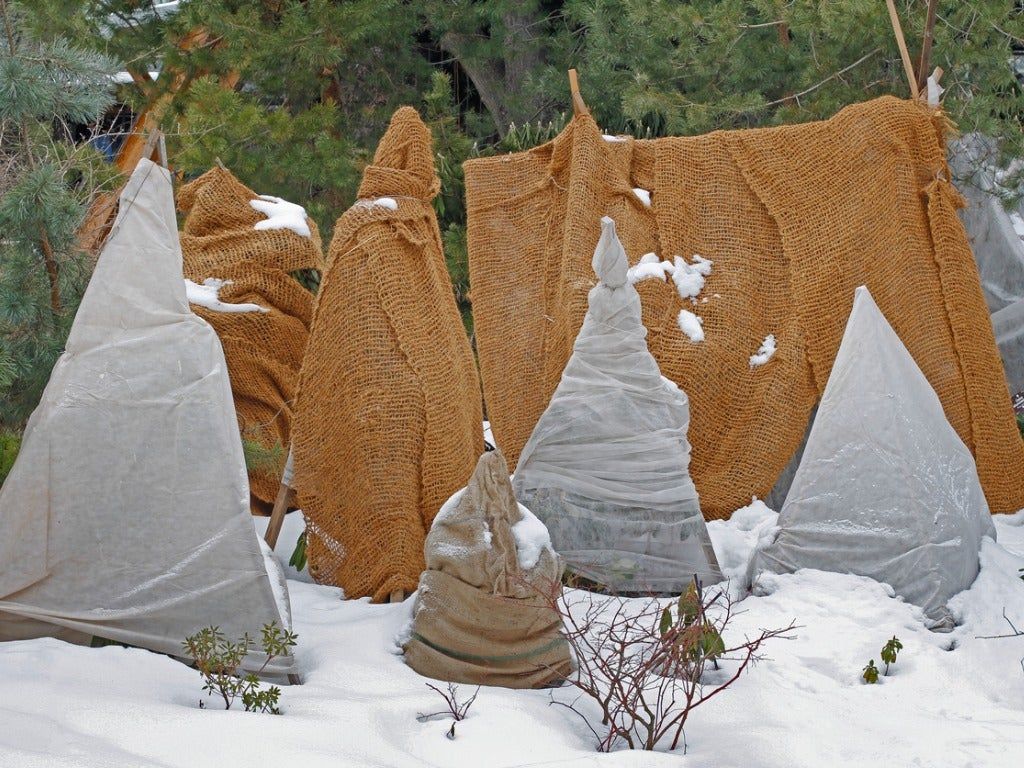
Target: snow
pixel 532 538
pixel 206 295
pixel 281 215
pixel 691 325
pixel 643 195
pixel 765 353
pixel 650 268
pixel 614 139
pixel 382 202
pixel 689 279
pixel 802 706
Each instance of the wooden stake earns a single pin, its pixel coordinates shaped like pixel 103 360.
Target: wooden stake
pixel 285 498
pixel 397 596
pixel 926 46
pixel 579 107
pixel 901 41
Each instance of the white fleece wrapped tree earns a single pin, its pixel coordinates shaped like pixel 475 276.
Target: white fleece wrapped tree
pixel 126 514
pixel 607 466
pixel 885 488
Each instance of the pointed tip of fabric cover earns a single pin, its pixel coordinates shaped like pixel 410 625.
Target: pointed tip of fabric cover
pixel 138 271
pixel 403 165
pixel 610 262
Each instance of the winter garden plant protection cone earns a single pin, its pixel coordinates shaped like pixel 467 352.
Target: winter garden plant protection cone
pixel 126 513
pixel 793 218
pixel 606 467
pixel 228 238
pixel 482 612
pixel 388 416
pixel 885 488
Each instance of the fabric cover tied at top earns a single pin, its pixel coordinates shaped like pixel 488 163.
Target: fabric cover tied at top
pixel 606 467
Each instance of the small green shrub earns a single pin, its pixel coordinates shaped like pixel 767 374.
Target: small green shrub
pixel 889 652
pixel 870 673
pixel 219 659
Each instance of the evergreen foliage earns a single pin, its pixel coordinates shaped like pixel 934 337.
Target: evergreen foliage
pixel 45 187
pixel 293 95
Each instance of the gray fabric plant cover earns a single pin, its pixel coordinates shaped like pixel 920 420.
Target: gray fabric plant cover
pixel 606 468
pixel 997 240
pixel 126 514
pixel 886 488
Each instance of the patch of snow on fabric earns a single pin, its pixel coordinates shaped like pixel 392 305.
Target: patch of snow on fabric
pixel 614 139
pixel 449 506
pixel 691 325
pixel 650 268
pixel 688 279
pixel 532 538
pixel 281 215
pixel 381 202
pixel 765 353
pixel 206 295
pixel 702 265
pixel 643 195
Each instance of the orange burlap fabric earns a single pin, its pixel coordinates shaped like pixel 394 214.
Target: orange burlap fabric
pixel 263 350
pixel 794 218
pixel 388 421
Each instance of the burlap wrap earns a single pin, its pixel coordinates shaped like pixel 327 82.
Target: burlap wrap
pixel 794 218
pixel 389 414
pixel 263 349
pixel 480 617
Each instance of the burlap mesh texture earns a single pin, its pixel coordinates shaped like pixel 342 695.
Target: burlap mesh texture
pixel 389 414
pixel 264 350
pixel 481 617
pixel 794 218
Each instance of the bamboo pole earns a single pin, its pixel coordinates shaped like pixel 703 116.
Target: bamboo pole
pixel 901 41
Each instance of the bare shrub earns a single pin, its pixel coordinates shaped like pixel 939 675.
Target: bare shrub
pixel 648 662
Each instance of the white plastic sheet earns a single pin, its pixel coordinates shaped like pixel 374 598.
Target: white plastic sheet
pixel 607 466
pixel 886 488
pixel 126 514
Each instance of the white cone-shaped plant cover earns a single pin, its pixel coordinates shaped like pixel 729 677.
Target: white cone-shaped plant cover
pixel 607 466
pixel 886 488
pixel 126 514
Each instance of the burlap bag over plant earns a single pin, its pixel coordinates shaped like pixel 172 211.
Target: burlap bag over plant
pixel 794 219
pixel 264 349
pixel 389 417
pixel 482 612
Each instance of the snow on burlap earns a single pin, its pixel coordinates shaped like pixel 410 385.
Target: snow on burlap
pixel 606 468
pixel 481 613
pixel 126 514
pixel 886 488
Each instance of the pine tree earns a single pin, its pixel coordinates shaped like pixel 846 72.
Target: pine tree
pixel 45 186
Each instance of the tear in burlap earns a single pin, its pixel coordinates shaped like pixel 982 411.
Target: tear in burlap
pixel 794 218
pixel 263 349
pixel 389 416
pixel 480 616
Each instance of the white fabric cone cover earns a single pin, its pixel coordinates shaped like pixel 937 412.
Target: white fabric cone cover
pixel 606 468
pixel 126 514
pixel 886 488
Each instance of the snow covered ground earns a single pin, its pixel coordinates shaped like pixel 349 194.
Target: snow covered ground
pixel 951 700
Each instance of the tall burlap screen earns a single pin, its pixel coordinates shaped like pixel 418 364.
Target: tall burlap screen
pixel 263 350
pixel 388 421
pixel 794 218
